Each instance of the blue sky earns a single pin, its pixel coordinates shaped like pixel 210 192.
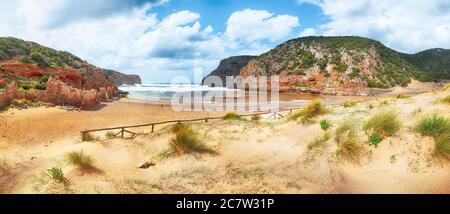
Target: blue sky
pixel 161 39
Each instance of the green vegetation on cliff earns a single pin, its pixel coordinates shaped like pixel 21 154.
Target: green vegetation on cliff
pixel 348 55
pixel 30 52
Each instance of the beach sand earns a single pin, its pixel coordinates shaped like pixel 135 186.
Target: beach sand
pixel 269 156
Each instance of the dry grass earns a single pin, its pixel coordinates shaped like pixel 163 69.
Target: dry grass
pixel 232 116
pixel 110 135
pixel 186 141
pixel 308 113
pixel 442 146
pixel 445 100
pixel 385 123
pixel 349 147
pixel 350 103
pixel 402 96
pixel 86 137
pixel 319 141
pixel 80 160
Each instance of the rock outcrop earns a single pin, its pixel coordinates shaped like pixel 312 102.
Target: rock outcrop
pixel 230 67
pixel 59 93
pixel 119 79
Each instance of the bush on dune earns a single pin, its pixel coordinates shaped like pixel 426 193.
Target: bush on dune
pixel 442 146
pixel 446 99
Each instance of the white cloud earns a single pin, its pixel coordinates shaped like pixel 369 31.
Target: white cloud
pixel 308 32
pixel 136 40
pixel 255 25
pixel 404 25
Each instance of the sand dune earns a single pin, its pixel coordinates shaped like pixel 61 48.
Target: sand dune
pixel 269 156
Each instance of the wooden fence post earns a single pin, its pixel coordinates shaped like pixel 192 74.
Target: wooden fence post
pixel 153 127
pixel 123 130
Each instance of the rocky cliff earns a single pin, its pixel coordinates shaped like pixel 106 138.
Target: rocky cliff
pixel 122 79
pixel 28 67
pixel 230 67
pixel 334 65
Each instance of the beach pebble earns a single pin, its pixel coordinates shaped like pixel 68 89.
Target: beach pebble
pixel 145 165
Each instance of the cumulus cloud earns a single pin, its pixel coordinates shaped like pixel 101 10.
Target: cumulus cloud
pixel 404 25
pixel 136 40
pixel 254 25
pixel 308 32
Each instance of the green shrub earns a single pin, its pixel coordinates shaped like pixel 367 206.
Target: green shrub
pixel 374 139
pixel 325 124
pixel 56 174
pixel 80 160
pixel 433 126
pixel 384 123
pixel 442 145
pixel 41 87
pixel 22 103
pixel 232 116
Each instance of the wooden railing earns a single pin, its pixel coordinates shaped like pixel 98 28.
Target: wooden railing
pixel 85 134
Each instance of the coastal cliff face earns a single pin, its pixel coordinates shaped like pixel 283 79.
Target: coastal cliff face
pixel 119 79
pixel 334 65
pixel 28 67
pixel 230 67
pixel 344 65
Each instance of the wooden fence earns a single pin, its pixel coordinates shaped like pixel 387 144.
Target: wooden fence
pixel 85 135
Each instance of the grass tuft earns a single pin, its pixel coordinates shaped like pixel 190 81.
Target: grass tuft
pixel 80 160
pixel 186 141
pixel 319 141
pixel 446 99
pixel 442 145
pixel 350 103
pixel 232 116
pixel 347 139
pixel 433 125
pixel 256 117
pixel 86 136
pixel 402 96
pixel 312 110
pixel 110 135
pixel 384 123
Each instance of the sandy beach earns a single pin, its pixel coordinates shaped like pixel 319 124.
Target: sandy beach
pixel 268 156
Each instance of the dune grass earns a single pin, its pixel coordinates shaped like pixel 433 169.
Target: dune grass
pixel 349 147
pixel 445 88
pixel 232 116
pixel 437 127
pixel 256 117
pixel 445 100
pixel 308 113
pixel 319 141
pixel 442 145
pixel 80 160
pixel 186 141
pixel 86 137
pixel 350 103
pixel 433 125
pixel 385 123
pixel 402 96
pixel 110 135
